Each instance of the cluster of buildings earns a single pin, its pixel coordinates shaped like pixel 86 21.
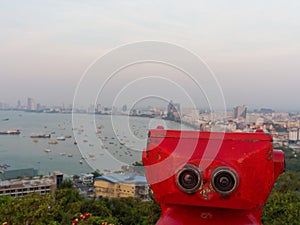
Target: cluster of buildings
pixel 113 185
pixel 22 182
pixel 32 106
pixel 282 125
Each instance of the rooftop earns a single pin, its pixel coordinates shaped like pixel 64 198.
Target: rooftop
pixel 19 183
pixel 19 173
pixel 123 178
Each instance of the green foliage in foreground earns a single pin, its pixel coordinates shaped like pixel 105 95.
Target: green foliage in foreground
pixel 67 204
pixel 283 207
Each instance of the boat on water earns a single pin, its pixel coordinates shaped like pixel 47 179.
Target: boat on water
pixel 53 142
pixel 62 138
pixel 10 132
pixel 91 155
pixel 4 166
pixel 40 135
pixel 47 150
pixel 100 127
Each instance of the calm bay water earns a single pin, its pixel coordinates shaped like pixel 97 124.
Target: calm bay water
pixel 103 142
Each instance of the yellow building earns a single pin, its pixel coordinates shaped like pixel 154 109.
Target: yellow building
pixel 121 185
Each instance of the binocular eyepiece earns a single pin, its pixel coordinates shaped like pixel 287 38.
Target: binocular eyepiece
pixel 189 179
pixel 223 180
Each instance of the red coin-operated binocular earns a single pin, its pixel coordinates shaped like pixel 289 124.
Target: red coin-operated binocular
pixel 211 178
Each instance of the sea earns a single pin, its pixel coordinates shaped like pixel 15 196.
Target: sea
pixel 91 142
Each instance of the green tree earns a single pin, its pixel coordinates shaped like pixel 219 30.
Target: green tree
pixel 76 177
pixel 96 173
pixel 282 208
pixel 134 211
pixel 96 220
pixel 67 204
pixel 66 184
pixel 283 205
pixel 292 160
pixel 96 208
pixel 287 181
pixel 33 209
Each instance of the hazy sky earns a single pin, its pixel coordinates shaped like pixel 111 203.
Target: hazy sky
pixel 253 47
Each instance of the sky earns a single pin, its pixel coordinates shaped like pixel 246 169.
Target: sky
pixel 252 47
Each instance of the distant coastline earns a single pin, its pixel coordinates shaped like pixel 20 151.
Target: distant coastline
pixel 193 126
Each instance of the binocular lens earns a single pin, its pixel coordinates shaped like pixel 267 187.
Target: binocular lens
pixel 224 181
pixel 189 179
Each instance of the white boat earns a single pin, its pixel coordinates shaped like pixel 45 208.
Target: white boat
pixel 62 138
pixel 91 155
pixel 47 150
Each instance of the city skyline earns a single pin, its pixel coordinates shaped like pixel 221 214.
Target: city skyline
pixel 252 48
pixel 30 104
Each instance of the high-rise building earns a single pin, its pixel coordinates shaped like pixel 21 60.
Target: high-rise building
pixel 99 109
pixel 294 135
pixel 31 104
pixel 240 111
pixel 173 111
